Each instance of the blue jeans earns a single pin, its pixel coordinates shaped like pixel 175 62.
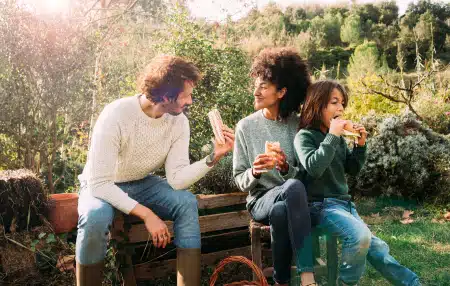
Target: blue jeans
pixel 358 244
pixel 285 209
pixel 96 216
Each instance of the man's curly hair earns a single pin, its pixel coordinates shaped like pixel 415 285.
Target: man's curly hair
pixel 285 69
pixel 165 75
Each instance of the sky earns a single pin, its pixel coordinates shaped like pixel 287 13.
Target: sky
pixel 217 10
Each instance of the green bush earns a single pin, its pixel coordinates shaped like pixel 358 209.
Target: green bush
pixel 219 180
pixel 225 84
pixel 435 110
pixel 405 159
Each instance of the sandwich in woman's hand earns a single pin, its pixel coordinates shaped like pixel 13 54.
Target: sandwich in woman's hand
pixel 217 125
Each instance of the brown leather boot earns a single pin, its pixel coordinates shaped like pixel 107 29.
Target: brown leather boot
pixel 90 274
pixel 188 266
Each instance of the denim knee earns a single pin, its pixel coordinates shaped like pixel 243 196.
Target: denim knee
pixel 294 189
pixel 92 237
pixel 186 224
pixel 278 215
pixel 188 204
pixel 362 239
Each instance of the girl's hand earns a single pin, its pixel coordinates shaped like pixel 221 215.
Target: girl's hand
pixel 337 126
pixel 361 141
pixel 263 163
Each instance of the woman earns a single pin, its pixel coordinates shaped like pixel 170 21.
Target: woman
pixel 275 197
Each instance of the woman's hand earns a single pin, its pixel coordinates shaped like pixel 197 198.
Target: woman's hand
pixel 281 162
pixel 263 163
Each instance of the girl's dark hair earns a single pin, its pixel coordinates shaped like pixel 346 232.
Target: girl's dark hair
pixel 165 76
pixel 317 98
pixel 285 69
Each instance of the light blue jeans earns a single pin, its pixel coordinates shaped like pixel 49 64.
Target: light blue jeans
pixel 95 216
pixel 358 244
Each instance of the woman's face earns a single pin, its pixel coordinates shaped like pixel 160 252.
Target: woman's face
pixel 334 109
pixel 266 94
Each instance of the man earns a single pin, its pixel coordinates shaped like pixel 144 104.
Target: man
pixel 132 137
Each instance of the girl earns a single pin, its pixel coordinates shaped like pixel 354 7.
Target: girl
pixel 323 153
pixel 274 196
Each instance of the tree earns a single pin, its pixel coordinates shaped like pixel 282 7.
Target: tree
pixel 388 12
pixel 351 31
pixel 365 60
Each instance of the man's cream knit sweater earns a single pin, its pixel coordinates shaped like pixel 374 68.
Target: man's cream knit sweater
pixel 127 145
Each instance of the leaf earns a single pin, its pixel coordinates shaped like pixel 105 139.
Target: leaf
pixel 407 221
pixel 406 217
pixel 50 238
pixel 41 235
pixel 65 263
pixel 407 214
pixel 447 216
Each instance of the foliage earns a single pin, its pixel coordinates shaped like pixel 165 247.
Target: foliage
pixel 435 109
pixel 219 180
pixel 363 103
pixel 351 32
pixel 366 60
pixel 405 159
pixel 225 84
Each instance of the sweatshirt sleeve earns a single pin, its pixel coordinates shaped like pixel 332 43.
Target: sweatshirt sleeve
pixel 315 160
pixel 355 160
pixel 242 168
pixel 180 173
pixel 103 155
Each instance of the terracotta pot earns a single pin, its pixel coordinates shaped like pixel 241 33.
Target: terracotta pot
pixel 64 212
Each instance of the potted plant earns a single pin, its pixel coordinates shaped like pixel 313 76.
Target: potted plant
pixel 63 214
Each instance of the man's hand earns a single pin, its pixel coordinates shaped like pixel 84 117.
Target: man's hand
pixel 158 230
pixel 155 226
pixel 221 150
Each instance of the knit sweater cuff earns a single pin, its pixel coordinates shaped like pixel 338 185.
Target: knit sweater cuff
pixel 332 140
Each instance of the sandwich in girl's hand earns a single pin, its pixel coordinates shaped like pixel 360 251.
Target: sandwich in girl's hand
pixel 349 131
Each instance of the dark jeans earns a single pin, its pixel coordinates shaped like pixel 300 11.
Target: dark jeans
pixel 285 209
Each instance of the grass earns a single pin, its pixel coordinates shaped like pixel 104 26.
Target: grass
pixel 423 246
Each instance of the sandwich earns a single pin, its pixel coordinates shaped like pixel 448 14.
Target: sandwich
pixel 217 125
pixel 349 131
pixel 271 147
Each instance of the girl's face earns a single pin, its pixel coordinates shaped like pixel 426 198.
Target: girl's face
pixel 334 109
pixel 266 94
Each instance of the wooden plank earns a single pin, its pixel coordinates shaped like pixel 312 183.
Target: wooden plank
pixel 221 200
pixel 127 269
pixel 208 223
pixel 157 269
pixel 207 202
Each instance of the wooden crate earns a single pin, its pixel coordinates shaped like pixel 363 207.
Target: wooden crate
pixel 129 232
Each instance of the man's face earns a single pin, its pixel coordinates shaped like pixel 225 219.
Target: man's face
pixel 183 101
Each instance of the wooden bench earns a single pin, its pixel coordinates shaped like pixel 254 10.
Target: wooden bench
pixel 130 232
pixel 259 232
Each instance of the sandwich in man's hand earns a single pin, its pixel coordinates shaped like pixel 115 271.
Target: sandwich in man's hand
pixel 217 125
